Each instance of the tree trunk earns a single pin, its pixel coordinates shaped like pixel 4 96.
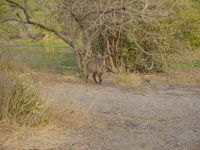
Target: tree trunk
pixel 113 68
pixel 78 62
pixel 78 58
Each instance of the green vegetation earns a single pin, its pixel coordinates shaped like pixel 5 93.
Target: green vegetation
pixel 157 44
pixel 187 65
pixel 41 43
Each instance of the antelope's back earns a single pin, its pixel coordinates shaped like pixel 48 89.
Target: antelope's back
pixel 95 67
pixel 91 67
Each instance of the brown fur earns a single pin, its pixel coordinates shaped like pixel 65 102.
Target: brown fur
pixel 96 68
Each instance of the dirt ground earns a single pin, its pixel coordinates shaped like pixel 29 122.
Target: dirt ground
pixel 153 116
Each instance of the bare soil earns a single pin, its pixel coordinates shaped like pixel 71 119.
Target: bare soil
pixel 153 116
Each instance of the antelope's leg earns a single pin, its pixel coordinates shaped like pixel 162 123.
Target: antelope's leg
pixel 86 78
pixel 100 78
pixel 94 77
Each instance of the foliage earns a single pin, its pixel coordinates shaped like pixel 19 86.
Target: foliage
pixel 9 31
pixel 154 45
pixel 186 21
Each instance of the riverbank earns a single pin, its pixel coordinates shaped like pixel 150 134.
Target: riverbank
pixel 28 42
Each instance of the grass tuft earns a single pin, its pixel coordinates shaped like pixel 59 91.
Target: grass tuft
pixel 20 103
pixel 128 79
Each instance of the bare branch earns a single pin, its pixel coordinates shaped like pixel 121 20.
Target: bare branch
pixel 7 20
pixel 51 30
pixel 102 12
pixel 28 21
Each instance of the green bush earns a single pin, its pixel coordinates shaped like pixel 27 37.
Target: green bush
pixel 186 21
pixel 155 46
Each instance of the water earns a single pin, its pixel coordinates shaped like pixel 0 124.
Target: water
pixel 43 58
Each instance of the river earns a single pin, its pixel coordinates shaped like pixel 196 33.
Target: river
pixel 43 58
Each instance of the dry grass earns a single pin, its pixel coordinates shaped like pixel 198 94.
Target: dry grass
pixel 50 79
pixel 185 76
pixel 186 68
pixel 20 102
pixel 66 116
pixel 128 79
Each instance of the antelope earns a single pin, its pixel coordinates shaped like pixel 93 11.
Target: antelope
pixel 96 68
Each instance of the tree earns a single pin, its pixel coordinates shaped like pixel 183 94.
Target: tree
pixel 80 20
pixel 93 27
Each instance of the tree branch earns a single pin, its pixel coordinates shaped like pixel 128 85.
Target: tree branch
pixel 113 10
pixel 7 20
pixel 28 21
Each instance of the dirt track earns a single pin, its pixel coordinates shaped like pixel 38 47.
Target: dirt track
pixel 110 117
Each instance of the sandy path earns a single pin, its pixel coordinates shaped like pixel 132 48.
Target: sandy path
pixel 110 117
pixel 160 118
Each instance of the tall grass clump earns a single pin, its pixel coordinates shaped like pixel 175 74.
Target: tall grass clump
pixel 20 103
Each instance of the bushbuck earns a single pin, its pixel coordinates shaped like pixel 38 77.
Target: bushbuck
pixel 96 68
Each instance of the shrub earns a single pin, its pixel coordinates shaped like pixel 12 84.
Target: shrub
pixel 19 102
